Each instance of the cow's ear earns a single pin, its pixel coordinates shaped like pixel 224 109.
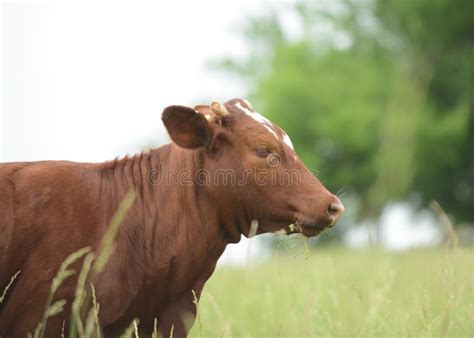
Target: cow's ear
pixel 187 128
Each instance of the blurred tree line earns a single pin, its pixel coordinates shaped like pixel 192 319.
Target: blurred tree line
pixel 376 95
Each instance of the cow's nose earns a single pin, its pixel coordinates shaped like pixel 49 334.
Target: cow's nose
pixel 335 210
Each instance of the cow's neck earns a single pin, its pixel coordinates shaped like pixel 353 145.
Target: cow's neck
pixel 181 167
pixel 171 211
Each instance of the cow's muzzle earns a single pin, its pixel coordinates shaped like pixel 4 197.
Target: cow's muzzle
pixel 335 211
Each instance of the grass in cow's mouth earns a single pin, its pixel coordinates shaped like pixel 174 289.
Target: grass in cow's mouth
pixel 296 227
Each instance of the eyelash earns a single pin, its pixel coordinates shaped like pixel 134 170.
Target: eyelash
pixel 263 152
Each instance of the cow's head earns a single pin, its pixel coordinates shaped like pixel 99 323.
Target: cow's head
pixel 250 169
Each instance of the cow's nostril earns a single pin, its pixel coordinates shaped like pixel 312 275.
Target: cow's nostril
pixel 335 210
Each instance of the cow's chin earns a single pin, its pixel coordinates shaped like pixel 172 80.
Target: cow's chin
pixel 309 230
pixel 290 222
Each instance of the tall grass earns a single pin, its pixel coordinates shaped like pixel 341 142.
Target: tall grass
pixel 92 266
pixel 10 283
pixel 338 292
pixel 330 292
pixel 52 309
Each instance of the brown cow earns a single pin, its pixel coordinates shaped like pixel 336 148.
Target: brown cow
pixel 228 168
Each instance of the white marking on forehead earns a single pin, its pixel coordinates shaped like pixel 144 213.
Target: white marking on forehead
pixel 266 123
pixel 287 141
pixel 258 117
pixel 271 131
pixel 253 114
pixel 248 103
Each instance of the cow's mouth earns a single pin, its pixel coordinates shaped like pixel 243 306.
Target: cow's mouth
pixel 297 224
pixel 308 230
pixel 310 227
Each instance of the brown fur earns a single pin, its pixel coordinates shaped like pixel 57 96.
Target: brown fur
pixel 172 236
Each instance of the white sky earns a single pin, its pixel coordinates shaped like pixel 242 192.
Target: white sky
pixel 87 80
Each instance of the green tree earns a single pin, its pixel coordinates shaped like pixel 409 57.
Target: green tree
pixel 438 37
pixel 382 108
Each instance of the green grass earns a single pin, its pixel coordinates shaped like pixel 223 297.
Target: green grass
pixel 338 292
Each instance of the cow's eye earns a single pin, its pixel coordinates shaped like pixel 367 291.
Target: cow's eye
pixel 263 152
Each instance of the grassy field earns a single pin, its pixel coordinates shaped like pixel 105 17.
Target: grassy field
pixel 338 292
